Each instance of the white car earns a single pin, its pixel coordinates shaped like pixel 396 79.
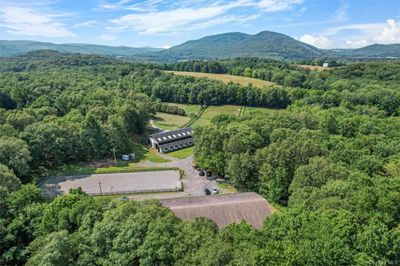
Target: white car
pixel 215 191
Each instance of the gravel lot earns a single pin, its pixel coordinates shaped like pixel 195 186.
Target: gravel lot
pixel 118 183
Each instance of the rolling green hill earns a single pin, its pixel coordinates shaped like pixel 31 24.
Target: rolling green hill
pixel 265 44
pixel 372 51
pixel 11 48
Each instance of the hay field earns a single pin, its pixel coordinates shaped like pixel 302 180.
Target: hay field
pixel 225 78
pixel 213 111
pixel 169 122
pixel 316 68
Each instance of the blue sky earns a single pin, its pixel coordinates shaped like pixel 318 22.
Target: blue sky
pixel 323 23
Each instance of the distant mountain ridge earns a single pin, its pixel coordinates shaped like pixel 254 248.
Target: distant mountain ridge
pixel 372 51
pixel 266 44
pixel 12 48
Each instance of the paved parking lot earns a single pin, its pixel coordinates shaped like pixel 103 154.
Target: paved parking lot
pixel 118 183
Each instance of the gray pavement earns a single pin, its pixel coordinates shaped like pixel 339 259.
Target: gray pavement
pixel 193 184
pixel 117 183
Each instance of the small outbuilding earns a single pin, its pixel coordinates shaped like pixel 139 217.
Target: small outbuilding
pixel 223 209
pixel 172 140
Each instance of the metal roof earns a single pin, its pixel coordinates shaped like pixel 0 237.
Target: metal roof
pixel 223 209
pixel 172 135
pixel 176 143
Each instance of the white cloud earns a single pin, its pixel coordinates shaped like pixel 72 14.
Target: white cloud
pixel 182 18
pixel 319 41
pixel 356 43
pixel 277 5
pixel 86 24
pixel 361 35
pixel 390 33
pixel 30 22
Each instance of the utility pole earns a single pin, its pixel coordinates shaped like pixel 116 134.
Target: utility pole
pixel 115 157
pixel 101 192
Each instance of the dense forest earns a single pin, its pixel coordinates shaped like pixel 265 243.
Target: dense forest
pixel 329 158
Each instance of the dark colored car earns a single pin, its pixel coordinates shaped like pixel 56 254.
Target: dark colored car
pixel 210 178
pixel 202 173
pixel 208 173
pixel 207 191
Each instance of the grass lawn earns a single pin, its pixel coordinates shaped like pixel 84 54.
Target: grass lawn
pixel 121 167
pixel 225 78
pixel 182 154
pixel 213 111
pixel 190 109
pixel 145 154
pixel 169 122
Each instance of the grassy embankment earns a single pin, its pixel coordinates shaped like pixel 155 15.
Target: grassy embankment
pixel 182 154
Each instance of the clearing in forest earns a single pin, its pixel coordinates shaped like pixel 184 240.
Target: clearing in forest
pixel 226 78
pixel 316 68
pixel 169 122
pixel 213 111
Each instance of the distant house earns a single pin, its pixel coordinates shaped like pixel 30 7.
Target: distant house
pixel 167 141
pixel 325 64
pixel 223 209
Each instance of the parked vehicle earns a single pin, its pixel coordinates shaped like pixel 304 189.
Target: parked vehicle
pixel 215 191
pixel 210 177
pixel 195 166
pixel 208 173
pixel 202 173
pixel 221 180
pixel 207 191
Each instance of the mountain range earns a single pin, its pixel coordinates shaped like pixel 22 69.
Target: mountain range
pixel 12 48
pixel 265 44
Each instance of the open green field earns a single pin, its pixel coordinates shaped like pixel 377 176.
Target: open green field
pixel 169 122
pixel 213 111
pixel 190 109
pixel 225 78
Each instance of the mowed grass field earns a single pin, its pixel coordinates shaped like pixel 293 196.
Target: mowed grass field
pixel 316 68
pixel 190 109
pixel 213 111
pixel 225 78
pixel 169 122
